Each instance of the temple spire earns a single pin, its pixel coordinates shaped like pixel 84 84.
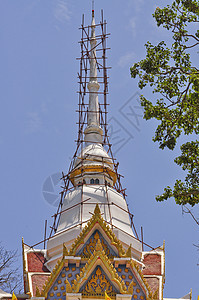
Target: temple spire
pixel 93 132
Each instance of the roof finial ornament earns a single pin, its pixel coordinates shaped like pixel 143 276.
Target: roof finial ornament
pixel 93 4
pixel 93 132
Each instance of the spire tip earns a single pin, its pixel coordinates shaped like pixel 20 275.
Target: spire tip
pixel 92 8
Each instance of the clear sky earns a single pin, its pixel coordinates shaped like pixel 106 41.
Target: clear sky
pixel 38 84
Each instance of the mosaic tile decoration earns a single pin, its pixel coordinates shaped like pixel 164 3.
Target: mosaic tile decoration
pixel 127 276
pixel 58 289
pixel 89 246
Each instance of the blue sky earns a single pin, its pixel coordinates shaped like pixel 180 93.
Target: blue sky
pixel 38 84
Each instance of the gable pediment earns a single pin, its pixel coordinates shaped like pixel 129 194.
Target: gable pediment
pixel 101 264
pixel 97 283
pixel 108 238
pixel 96 263
pixel 89 245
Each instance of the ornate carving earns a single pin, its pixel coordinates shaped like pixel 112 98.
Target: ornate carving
pixel 98 284
pixel 68 287
pixel 97 218
pixel 130 288
pixel 65 251
pixel 128 252
pixel 55 272
pixel 156 294
pixel 37 292
pixel 136 270
pixel 89 248
pixel 84 274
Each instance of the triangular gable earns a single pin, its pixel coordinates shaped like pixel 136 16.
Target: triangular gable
pixel 52 278
pixel 97 222
pixel 140 279
pixel 97 283
pixel 133 278
pixel 76 278
pixel 97 259
pixel 62 283
pixel 89 246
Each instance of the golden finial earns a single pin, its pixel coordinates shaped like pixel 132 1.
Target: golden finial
pixel 37 292
pixel 128 252
pixel 97 210
pixel 65 250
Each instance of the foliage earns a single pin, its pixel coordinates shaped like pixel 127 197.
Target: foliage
pixel 175 79
pixel 10 279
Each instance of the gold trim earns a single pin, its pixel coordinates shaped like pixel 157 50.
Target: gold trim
pixel 84 274
pixel 68 286
pixel 25 271
pixel 89 248
pixel 163 276
pixel 98 282
pixel 136 270
pixel 98 253
pixel 97 218
pixel 65 250
pixel 37 292
pixel 130 288
pixel 156 294
pixel 48 284
pixel 92 168
pixel 128 252
pixel 23 254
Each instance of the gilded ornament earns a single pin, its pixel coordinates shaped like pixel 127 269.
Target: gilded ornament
pixel 98 254
pixel 136 269
pixel 130 288
pixel 38 292
pixel 97 218
pixel 128 252
pixel 88 249
pixel 68 287
pixel 48 284
pixel 156 294
pixel 65 250
pixel 97 284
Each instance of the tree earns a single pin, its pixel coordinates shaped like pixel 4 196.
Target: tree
pixel 10 278
pixel 170 72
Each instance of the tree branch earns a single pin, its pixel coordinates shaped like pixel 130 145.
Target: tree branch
pixel 188 211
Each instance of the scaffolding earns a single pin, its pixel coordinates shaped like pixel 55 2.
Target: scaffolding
pixel 83 105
